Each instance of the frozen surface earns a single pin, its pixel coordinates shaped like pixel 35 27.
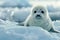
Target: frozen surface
pixel 24 33
pixel 14 3
pixel 21 14
pixel 11 31
pixel 13 12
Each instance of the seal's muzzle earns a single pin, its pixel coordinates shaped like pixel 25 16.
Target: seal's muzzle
pixel 38 16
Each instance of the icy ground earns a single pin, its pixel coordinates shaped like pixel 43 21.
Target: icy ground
pixel 10 30
pixel 13 12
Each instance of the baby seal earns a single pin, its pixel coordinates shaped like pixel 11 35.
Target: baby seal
pixel 39 17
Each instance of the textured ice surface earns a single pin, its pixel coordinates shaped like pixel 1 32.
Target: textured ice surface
pixel 14 14
pixel 14 3
pixel 11 31
pixel 24 33
pixel 21 14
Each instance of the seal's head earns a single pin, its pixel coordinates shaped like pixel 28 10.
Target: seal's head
pixel 39 12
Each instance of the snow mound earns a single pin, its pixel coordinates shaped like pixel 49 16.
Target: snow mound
pixel 14 14
pixel 11 31
pixel 4 14
pixel 24 33
pixel 20 15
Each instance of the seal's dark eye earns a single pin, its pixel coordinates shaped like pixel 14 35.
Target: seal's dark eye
pixel 35 11
pixel 42 11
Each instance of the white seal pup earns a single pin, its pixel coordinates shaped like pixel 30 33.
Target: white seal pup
pixel 39 17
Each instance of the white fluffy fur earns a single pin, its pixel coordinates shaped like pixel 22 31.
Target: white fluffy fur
pixel 44 22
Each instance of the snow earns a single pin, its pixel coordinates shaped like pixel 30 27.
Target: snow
pixel 13 12
pixel 14 3
pixel 4 14
pixel 24 33
pixel 55 15
pixel 11 31
pixel 21 14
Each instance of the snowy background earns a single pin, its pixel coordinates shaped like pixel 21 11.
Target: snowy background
pixel 13 12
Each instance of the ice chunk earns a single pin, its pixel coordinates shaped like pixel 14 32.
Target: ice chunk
pixel 20 15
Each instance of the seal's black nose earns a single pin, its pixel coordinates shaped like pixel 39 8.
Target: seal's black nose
pixel 38 16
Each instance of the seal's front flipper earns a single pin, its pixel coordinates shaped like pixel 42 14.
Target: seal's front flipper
pixel 52 30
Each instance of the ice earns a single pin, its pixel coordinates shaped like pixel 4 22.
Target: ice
pixel 20 15
pixel 14 3
pixel 24 33
pixel 11 31
pixel 13 12
pixel 57 24
pixel 54 15
pixel 4 14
